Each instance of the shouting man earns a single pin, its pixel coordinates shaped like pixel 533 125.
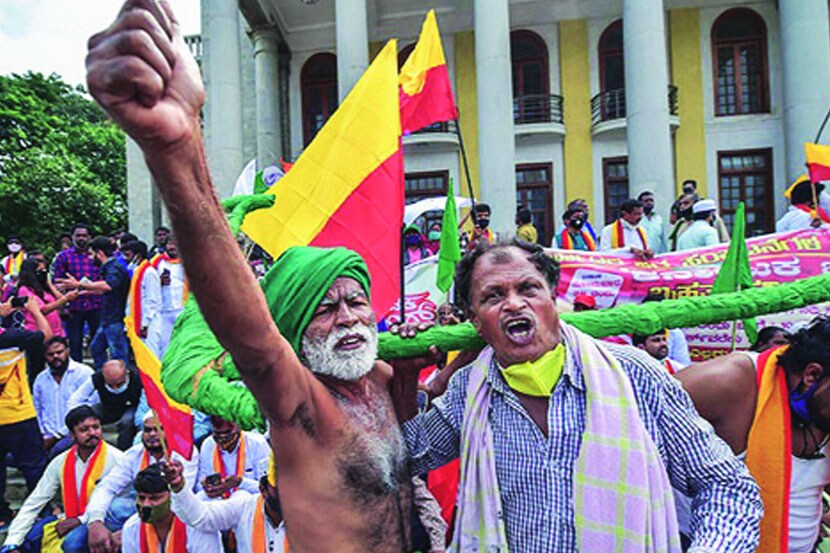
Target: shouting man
pixel 343 475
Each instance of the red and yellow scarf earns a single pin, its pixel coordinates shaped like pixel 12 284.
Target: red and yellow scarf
pixel 74 504
pixel 173 261
pixel 568 241
pixel 176 539
pixel 769 451
pixel 219 466
pixel 13 261
pixel 816 213
pixel 135 295
pixel 618 235
pixel 258 532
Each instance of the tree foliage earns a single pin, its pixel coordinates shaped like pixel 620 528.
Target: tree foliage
pixel 61 161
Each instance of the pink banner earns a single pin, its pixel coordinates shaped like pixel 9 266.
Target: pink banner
pixel 615 279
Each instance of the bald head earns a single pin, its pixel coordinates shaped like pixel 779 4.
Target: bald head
pixel 115 373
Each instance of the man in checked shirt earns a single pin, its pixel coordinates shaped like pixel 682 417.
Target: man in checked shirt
pixel 568 444
pixel 77 261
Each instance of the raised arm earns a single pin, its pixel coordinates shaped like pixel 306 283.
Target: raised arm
pixel 143 74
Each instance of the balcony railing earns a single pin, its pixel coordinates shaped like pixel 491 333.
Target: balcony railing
pixel 610 105
pixel 537 108
pixel 442 127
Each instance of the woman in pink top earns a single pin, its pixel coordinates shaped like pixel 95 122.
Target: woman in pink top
pixel 33 280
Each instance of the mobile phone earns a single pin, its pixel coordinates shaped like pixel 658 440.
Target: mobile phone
pixel 213 479
pixel 19 301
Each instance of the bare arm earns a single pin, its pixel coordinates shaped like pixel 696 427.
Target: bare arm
pixel 142 73
pixel 723 391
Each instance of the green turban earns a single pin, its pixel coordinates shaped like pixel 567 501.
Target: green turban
pixel 299 280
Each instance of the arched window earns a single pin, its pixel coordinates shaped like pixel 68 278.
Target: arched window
pixel 531 85
pixel 739 49
pixel 611 65
pixel 318 80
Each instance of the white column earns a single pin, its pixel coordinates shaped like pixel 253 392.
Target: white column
pixel 650 160
pixel 223 110
pixel 266 77
pixel 496 148
pixel 140 193
pixel 352 40
pixel 805 64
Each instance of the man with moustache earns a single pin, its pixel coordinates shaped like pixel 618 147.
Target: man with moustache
pixel 567 443
pixel 114 286
pixel 86 309
pixel 107 510
pixel 306 347
pixel 652 223
pixel 74 474
pixel 52 390
pixel 240 458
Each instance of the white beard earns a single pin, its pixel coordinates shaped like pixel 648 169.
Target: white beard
pixel 346 365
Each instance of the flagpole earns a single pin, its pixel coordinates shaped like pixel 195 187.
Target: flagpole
pixel 821 128
pixel 403 275
pixel 466 163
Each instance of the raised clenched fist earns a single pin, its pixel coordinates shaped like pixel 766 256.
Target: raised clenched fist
pixel 142 73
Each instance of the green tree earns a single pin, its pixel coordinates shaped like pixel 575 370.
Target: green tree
pixel 61 161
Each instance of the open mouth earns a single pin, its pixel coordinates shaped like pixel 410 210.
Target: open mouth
pixel 350 342
pixel 519 330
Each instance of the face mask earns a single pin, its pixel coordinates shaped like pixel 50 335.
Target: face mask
pixel 537 378
pixel 483 223
pixel 96 262
pixel 42 275
pixel 576 223
pixel 434 235
pixel 81 243
pixel 120 390
pixel 686 213
pixel 798 402
pixel 413 240
pixel 154 513
pixel 15 248
pixel 648 209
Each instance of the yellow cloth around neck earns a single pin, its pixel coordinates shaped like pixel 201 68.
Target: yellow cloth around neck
pixel 537 378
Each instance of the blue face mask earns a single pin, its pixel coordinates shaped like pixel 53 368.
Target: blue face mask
pixel 798 402
pixel 413 239
pixel 120 390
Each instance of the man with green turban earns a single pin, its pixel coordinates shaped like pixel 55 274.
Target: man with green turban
pixel 307 352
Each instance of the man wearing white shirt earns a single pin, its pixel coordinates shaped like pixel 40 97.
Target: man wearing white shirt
pixel 625 234
pixel 144 300
pixel 652 223
pixel 92 459
pixel 239 458
pixel 701 233
pixel 52 390
pixel 173 289
pixel 803 212
pixel 255 519
pixel 657 345
pixel 106 496
pixel 155 529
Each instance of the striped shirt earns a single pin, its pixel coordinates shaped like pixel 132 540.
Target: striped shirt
pixel 535 473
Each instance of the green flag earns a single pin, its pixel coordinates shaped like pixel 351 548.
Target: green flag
pixel 735 274
pixel 449 252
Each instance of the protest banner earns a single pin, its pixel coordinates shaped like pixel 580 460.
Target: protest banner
pixel 614 279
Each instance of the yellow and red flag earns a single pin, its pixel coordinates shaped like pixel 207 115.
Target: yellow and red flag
pixel 818 161
pixel 347 187
pixel 426 93
pixel 175 418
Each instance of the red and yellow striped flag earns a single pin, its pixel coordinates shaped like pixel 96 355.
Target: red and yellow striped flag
pixel 347 187
pixel 426 93
pixel 175 418
pixel 818 161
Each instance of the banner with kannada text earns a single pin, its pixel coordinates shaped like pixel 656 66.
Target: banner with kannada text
pixel 614 279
